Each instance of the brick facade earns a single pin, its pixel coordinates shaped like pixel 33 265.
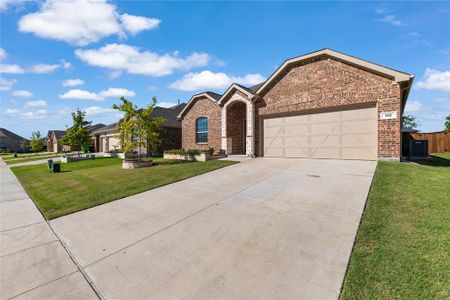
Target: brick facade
pixel 236 118
pixel 325 82
pixel 203 107
pixel 308 85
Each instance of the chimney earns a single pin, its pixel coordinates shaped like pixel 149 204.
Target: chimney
pixel 178 101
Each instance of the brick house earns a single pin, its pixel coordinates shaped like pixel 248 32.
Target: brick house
pixel 105 139
pixel 54 138
pixel 324 104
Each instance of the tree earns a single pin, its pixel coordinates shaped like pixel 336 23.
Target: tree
pixel 139 128
pixel 409 121
pixel 24 145
pixel 78 135
pixel 36 142
pixel 447 123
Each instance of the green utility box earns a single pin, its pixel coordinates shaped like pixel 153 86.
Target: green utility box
pixel 56 168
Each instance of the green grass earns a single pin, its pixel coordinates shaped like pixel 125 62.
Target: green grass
pixel 27 158
pixel 88 183
pixel 402 250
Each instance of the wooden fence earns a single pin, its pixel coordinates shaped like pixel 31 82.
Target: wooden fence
pixel 437 141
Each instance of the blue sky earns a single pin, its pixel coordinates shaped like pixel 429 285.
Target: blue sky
pixel 57 56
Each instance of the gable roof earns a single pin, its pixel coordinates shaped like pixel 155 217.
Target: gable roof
pixel 214 97
pixel 168 113
pixel 58 133
pixel 6 133
pixel 92 128
pixel 395 74
pixel 233 87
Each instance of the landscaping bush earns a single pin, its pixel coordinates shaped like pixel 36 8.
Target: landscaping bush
pixel 193 152
pixel 176 151
pixel 210 151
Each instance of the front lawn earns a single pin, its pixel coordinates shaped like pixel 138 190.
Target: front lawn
pixel 26 158
pixel 88 183
pixel 402 247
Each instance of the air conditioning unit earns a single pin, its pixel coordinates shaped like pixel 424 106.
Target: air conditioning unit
pixel 418 149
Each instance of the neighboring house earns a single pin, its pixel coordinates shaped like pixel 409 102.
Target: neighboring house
pixel 106 140
pixel 323 104
pixel 11 142
pixel 54 138
pixel 54 141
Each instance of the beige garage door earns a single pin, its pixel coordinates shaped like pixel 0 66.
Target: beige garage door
pixel 346 134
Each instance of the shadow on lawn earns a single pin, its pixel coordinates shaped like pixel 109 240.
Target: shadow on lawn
pixel 435 161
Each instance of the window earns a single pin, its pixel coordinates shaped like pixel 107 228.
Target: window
pixel 201 130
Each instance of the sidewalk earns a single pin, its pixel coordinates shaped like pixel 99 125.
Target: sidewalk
pixel 33 262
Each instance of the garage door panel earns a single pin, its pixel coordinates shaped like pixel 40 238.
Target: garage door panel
pixel 364 126
pixel 273 142
pixel 359 140
pixel 274 151
pixel 297 152
pixel 324 128
pixel 293 130
pixel 296 120
pixel 325 140
pixel 273 132
pixel 358 114
pixel 296 141
pixel 325 152
pixel 346 134
pixel 325 117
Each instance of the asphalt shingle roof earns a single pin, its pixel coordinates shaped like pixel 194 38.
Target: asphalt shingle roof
pixel 6 133
pixel 168 113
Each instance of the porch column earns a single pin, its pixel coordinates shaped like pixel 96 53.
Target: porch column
pixel 249 132
pixel 224 129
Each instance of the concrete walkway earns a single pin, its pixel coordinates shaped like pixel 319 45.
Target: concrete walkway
pixel 33 262
pixel 261 229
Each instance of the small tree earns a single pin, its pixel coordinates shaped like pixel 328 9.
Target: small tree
pixel 78 135
pixel 36 142
pixel 409 121
pixel 447 123
pixel 138 128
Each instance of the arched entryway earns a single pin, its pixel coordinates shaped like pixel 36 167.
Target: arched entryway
pixel 236 127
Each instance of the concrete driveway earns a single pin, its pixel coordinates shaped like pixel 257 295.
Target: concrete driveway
pixel 265 228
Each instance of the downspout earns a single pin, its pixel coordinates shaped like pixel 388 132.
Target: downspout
pixel 404 92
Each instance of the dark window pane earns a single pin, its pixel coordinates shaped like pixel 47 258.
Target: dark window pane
pixel 201 129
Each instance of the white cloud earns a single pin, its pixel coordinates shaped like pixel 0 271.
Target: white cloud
pixel 116 93
pixel 38 114
pixel 392 19
pixel 86 95
pixel 37 103
pixel 12 69
pixel 95 110
pixel 72 82
pixel 48 68
pixel 3 54
pixel 435 80
pixel 22 93
pixel 209 80
pixel 64 112
pixel 80 95
pixel 413 106
pixel 43 68
pixel 121 57
pixel 37 68
pixel 5 4
pixel 6 85
pixel 136 24
pixel 165 104
pixel 82 22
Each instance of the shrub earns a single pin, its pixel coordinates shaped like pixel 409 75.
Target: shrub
pixel 176 151
pixel 193 152
pixel 210 151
